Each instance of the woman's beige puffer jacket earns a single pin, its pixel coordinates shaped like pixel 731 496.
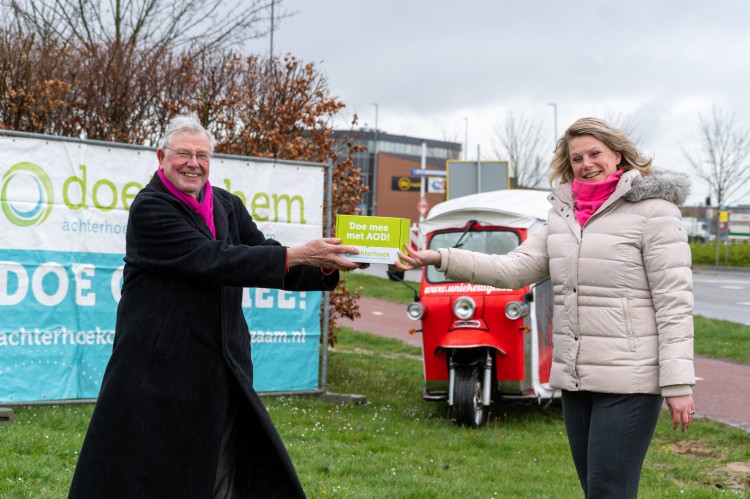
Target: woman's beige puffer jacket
pixel 623 313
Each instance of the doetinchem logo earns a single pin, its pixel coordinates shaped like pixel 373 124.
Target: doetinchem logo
pixel 32 198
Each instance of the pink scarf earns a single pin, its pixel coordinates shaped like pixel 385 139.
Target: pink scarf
pixel 589 196
pixel 204 209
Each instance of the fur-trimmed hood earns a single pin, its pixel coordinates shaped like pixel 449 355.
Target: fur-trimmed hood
pixel 634 187
pixel 669 186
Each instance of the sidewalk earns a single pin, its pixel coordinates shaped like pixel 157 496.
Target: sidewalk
pixel 722 392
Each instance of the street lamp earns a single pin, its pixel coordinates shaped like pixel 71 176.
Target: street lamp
pixel 271 51
pixel 554 106
pixel 375 165
pixel 466 137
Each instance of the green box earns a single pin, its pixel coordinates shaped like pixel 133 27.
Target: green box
pixel 378 238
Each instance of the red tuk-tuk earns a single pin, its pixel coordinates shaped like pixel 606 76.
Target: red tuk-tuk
pixel 482 343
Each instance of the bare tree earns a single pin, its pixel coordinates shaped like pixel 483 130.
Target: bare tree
pixel 723 157
pixel 450 136
pixel 624 122
pixel 158 24
pixel 522 142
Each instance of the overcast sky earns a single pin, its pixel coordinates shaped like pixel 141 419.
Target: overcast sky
pixel 655 64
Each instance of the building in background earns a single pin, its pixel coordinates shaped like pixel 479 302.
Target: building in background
pixel 386 169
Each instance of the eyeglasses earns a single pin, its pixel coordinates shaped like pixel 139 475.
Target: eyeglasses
pixel 202 157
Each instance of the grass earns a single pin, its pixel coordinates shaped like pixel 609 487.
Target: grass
pixel 40 450
pixel 722 339
pixel 398 446
pixel 377 287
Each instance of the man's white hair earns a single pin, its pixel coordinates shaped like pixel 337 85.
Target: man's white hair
pixel 184 123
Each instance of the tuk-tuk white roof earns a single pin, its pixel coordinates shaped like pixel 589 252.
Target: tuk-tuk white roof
pixel 511 208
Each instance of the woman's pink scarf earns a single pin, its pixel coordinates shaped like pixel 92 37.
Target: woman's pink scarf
pixel 588 197
pixel 204 209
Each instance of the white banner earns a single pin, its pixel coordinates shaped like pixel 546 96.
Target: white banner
pixel 62 239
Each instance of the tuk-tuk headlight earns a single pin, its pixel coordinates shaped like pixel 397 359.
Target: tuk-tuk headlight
pixel 464 308
pixel 415 311
pixel 516 309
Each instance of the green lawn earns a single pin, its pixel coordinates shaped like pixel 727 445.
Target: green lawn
pixel 400 446
pixel 722 339
pixel 379 287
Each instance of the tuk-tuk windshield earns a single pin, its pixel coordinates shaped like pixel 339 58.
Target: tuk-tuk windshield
pixel 492 242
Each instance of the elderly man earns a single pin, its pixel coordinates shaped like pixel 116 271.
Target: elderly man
pixel 177 415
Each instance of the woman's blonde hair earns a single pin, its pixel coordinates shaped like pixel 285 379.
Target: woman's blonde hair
pixel 612 137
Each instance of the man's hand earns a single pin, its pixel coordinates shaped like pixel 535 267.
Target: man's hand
pixel 324 253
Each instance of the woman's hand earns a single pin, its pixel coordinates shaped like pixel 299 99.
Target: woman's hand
pixel 681 409
pixel 417 259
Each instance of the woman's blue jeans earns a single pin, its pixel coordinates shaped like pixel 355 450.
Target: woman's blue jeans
pixel 609 435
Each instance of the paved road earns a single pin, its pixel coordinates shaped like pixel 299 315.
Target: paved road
pixel 722 295
pixel 722 392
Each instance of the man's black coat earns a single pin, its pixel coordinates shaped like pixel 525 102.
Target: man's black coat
pixel 181 348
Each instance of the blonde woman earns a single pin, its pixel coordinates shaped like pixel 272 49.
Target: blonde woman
pixel 617 253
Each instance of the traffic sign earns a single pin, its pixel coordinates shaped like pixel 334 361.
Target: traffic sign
pixel 423 206
pixel 471 177
pixel 419 172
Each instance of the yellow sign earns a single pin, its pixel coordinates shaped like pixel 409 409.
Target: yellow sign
pixel 404 183
pixel 377 238
pixel 723 216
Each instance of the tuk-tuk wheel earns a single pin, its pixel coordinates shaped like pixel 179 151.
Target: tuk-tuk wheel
pixel 467 397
